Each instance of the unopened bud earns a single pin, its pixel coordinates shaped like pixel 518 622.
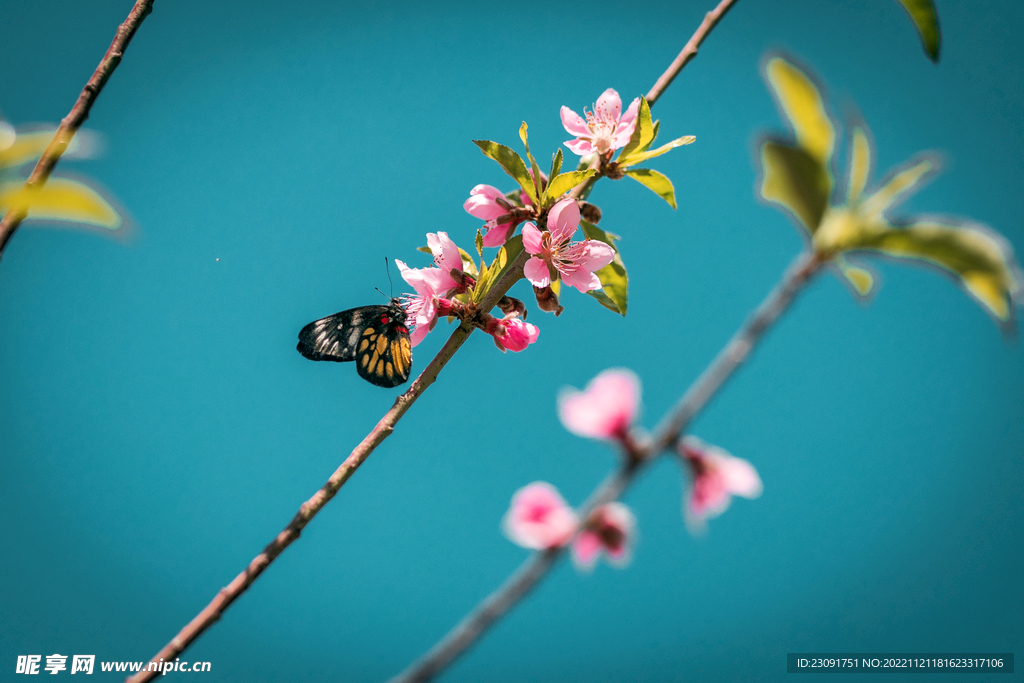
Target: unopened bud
pixel 547 300
pixel 512 306
pixel 590 212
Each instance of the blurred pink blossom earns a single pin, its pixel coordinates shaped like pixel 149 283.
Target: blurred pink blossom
pixel 611 528
pixel 605 129
pixel 606 409
pixel 717 476
pixel 539 518
pixel 575 262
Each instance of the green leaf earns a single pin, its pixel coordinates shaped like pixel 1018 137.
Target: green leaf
pixel 512 163
pixel 982 262
pixel 425 250
pixel 926 21
pixel 906 180
pixel 480 245
pixel 655 127
pixel 468 264
pixel 533 162
pixel 644 156
pixel 61 199
pixel 504 260
pixel 860 164
pixel 656 182
pixel 795 180
pixel 802 104
pixel 860 279
pixel 613 294
pixel 563 182
pixel 556 164
pixel 643 134
pixel 28 147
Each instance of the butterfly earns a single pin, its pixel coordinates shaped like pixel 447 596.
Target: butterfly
pixel 374 336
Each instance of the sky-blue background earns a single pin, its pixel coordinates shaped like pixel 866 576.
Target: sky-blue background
pixel 157 427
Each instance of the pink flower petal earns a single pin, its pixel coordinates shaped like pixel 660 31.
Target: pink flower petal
pixel 608 106
pixel 582 279
pixel 740 477
pixel 484 208
pixel 518 335
pixel 624 129
pixel 586 547
pixel 563 219
pixel 580 147
pixel 536 271
pixel 574 123
pixel 605 409
pixel 533 239
pixel 446 254
pixel 497 235
pixel 598 255
pixel 539 518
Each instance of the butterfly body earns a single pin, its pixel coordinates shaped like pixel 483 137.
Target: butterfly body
pixel 375 337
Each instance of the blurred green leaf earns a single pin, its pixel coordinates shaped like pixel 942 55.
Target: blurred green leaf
pixel 61 199
pixel 982 262
pixel 926 21
pixel 563 182
pixel 859 278
pixel 656 182
pixel 614 279
pixel 643 134
pixel 802 105
pixel 903 181
pixel 796 181
pixel 512 163
pixel 860 164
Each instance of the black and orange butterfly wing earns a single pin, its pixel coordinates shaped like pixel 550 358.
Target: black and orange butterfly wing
pixel 375 337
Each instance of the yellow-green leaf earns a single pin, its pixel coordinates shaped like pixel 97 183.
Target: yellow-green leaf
pixel 801 103
pixel 468 264
pixel 506 256
pixel 512 163
pixel 903 181
pixel 556 164
pixel 563 182
pixel 926 21
pixel 650 154
pixel 795 180
pixel 860 164
pixel 533 162
pixel 984 263
pixel 643 134
pixel 656 182
pixel 61 199
pixel 614 291
pixel 860 279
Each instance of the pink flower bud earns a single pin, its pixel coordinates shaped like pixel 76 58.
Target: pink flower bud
pixel 611 528
pixel 514 334
pixel 717 476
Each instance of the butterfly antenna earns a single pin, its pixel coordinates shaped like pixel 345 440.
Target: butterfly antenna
pixel 387 268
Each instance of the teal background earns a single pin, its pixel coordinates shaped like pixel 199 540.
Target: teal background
pixel 157 427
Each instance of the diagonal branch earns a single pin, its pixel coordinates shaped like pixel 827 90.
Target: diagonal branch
pixel 77 116
pixel 530 573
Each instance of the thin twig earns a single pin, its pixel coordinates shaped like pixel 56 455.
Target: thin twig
pixel 689 50
pixel 227 595
pixel 529 574
pixel 77 116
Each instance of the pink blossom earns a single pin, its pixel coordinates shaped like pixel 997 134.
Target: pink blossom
pixel 604 130
pixel 488 202
pixel 605 409
pixel 610 528
pixel 539 518
pixel 515 335
pixel 717 476
pixel 430 283
pixel 575 262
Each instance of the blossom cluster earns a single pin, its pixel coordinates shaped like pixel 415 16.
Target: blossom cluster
pixel 540 519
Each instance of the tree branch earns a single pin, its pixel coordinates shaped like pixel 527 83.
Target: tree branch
pixel 77 116
pixel 529 574
pixel 689 50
